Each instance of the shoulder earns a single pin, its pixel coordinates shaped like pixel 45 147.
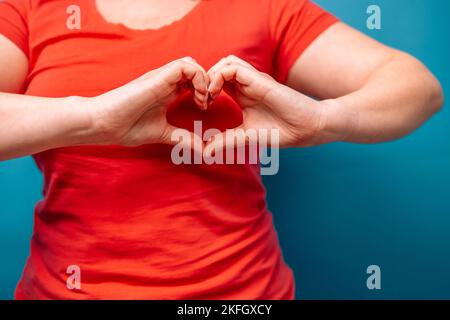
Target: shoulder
pixel 25 6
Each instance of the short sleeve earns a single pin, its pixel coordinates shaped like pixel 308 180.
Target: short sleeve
pixel 294 25
pixel 13 22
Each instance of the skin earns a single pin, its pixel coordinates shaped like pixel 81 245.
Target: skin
pixel 364 92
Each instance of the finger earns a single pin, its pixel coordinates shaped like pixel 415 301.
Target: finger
pixel 184 69
pixel 198 97
pixel 201 92
pixel 222 63
pixel 235 72
pixel 235 59
pixel 216 85
pixel 194 62
pixel 230 139
pixel 190 140
pixel 228 61
pixel 199 101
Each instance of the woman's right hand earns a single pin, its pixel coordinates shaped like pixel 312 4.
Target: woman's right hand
pixel 135 114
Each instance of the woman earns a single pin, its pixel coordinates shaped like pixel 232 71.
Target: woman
pixel 94 90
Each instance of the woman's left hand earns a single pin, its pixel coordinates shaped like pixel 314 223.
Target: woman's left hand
pixel 266 104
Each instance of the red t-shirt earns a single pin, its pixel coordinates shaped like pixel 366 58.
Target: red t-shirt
pixel 138 226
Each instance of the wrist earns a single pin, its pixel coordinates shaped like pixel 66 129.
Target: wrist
pixel 336 123
pixel 79 112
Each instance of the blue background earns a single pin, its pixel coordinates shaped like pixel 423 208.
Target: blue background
pixel 338 208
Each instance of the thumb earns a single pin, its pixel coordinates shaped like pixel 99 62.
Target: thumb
pixel 183 138
pixel 236 138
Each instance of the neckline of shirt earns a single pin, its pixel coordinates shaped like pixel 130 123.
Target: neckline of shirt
pixel 124 29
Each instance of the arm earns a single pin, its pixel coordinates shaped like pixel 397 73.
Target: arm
pixel 371 93
pixel 364 92
pixel 131 115
pixel 29 124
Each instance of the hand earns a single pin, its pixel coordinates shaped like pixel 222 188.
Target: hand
pixel 135 114
pixel 266 105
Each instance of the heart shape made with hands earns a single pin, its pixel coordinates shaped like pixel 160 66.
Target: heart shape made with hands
pixel 225 113
pixel 236 91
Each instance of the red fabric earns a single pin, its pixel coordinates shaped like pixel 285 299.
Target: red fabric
pixel 138 226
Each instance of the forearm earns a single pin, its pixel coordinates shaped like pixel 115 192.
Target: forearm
pixel 30 125
pixel 394 101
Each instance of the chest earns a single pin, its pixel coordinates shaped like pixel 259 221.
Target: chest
pixel 145 14
pixel 102 53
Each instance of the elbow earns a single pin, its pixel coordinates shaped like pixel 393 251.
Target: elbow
pixel 436 96
pixel 427 88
